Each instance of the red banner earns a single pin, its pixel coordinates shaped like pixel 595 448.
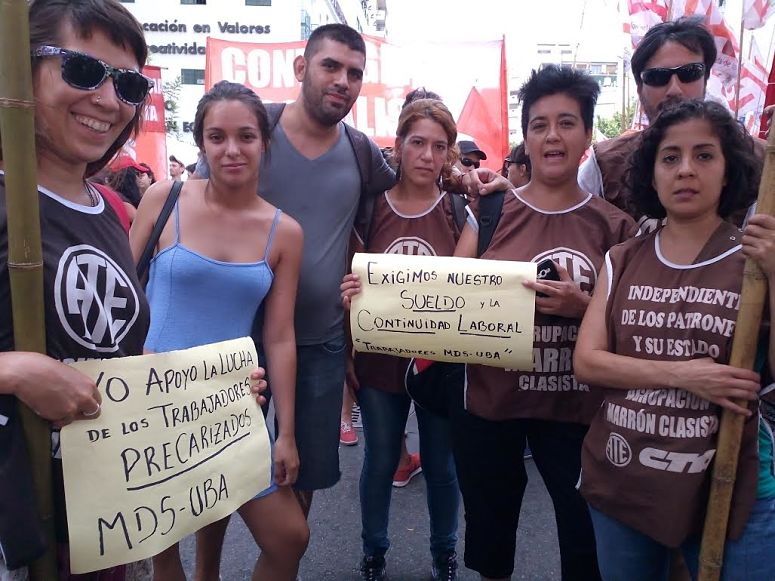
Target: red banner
pixel 150 146
pixel 470 77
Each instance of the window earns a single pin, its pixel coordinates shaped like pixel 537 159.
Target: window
pixel 596 69
pixel 258 2
pixel 193 1
pixel 192 76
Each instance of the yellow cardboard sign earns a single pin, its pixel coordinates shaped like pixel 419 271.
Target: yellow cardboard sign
pixel 444 309
pixel 180 443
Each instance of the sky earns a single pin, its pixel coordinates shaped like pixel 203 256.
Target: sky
pixel 593 28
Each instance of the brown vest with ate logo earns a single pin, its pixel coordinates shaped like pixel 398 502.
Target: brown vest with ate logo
pixel 647 458
pixel 431 233
pixel 577 239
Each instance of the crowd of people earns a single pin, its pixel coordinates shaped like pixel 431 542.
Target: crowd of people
pixel 648 239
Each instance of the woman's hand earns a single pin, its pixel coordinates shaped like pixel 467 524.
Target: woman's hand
pixel 759 242
pixel 563 297
pixel 286 461
pixel 351 286
pixel 721 384
pixel 258 385
pixel 53 390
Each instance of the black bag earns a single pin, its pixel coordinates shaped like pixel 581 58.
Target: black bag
pixel 436 386
pixel 161 221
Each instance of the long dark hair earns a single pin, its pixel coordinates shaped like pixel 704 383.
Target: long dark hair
pixel 124 181
pixel 227 91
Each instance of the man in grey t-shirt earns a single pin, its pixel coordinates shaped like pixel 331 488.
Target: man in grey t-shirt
pixel 311 173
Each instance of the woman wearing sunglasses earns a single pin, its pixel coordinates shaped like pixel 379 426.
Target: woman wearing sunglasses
pixel 89 95
pixel 658 337
pixel 241 253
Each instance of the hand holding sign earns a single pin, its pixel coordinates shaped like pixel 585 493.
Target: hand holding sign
pixel 443 309
pixel 180 443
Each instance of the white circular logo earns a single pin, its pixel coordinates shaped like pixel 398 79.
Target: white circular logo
pixel 412 246
pixel 580 268
pixel 95 299
pixel 617 450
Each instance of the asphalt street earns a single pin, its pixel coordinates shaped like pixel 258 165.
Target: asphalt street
pixel 335 547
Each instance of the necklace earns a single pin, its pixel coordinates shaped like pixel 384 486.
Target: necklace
pixel 93 200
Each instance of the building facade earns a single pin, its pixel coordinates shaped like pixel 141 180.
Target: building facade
pixel 176 32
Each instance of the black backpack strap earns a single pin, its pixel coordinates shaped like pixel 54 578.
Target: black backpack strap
pixel 459 204
pixel 161 221
pixel 274 111
pixel 362 149
pixel 490 207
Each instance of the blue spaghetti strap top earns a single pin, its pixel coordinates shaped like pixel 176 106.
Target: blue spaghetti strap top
pixel 197 300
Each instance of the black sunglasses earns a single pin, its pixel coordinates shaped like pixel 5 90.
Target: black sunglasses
pixel 87 73
pixel 468 162
pixel 659 77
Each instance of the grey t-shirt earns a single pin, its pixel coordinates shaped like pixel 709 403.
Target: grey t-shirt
pixel 322 195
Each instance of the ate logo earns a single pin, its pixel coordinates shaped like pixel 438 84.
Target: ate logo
pixel 577 264
pixel 95 300
pixel 618 451
pixel 412 246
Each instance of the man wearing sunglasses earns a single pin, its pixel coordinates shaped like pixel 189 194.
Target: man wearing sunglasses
pixel 672 63
pixel 471 156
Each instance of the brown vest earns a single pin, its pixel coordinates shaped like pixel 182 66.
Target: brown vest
pixel 647 458
pixel 432 233
pixel 577 239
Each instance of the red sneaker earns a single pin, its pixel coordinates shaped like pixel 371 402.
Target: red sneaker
pixel 347 436
pixel 405 473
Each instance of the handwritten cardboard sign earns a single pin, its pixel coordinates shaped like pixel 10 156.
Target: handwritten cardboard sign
pixel 445 309
pixel 180 443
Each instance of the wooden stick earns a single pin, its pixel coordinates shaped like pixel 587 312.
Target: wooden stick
pixel 25 260
pixel 744 346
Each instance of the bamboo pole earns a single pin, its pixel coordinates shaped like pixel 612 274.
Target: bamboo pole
pixel 25 261
pixel 744 345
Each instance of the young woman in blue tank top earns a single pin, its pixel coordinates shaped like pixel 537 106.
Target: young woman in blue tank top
pixel 224 252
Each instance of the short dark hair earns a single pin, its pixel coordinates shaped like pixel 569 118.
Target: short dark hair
pixel 228 91
pixel 554 79
pixel 743 169
pixel 336 32
pixel 419 93
pixel 689 32
pixel 47 17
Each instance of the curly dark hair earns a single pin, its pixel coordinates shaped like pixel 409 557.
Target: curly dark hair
pixel 743 169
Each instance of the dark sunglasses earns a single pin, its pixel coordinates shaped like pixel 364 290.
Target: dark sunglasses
pixel 659 77
pixel 87 73
pixel 468 162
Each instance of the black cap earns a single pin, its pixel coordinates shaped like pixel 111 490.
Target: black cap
pixel 470 147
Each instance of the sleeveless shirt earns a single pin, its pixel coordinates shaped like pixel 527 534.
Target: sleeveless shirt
pixel 197 300
pixel 93 304
pixel 647 457
pixel 576 238
pixel 430 233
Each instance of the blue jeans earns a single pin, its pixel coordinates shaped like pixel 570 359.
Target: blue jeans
pixel 319 380
pixel 384 419
pixel 625 554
